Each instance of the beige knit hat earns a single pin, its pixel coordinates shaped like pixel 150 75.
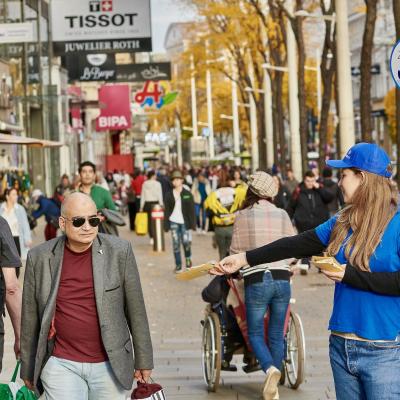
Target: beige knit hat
pixel 262 184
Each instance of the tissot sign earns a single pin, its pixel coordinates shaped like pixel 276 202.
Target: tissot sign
pixel 101 26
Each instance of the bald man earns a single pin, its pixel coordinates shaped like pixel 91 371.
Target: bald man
pixel 82 309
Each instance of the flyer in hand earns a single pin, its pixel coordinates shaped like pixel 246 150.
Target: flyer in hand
pixel 326 263
pixel 195 272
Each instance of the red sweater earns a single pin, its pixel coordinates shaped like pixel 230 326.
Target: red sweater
pixel 78 335
pixel 137 184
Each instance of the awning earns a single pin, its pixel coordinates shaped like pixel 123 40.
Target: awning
pixel 6 127
pixel 32 142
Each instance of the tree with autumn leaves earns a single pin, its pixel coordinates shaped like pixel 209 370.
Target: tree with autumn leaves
pixel 246 35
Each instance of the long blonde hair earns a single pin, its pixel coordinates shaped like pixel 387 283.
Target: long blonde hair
pixel 373 205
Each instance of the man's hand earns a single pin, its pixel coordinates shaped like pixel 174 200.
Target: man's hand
pixel 142 375
pixel 335 276
pixel 29 384
pixel 316 185
pixel 229 265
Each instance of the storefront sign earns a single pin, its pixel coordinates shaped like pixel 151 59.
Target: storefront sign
pixel 102 67
pixel 154 95
pixel 144 72
pixel 16 32
pixel 91 67
pixel 101 26
pixel 76 119
pixel 115 111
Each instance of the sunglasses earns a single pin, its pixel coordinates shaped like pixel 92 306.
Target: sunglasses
pixel 77 222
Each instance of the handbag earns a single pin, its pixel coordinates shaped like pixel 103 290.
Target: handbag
pixel 148 391
pixel 14 390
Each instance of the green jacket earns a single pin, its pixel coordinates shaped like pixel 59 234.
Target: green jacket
pixel 102 198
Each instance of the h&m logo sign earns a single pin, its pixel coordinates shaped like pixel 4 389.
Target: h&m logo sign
pixel 100 5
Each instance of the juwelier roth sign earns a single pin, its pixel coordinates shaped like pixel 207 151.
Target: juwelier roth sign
pixel 99 26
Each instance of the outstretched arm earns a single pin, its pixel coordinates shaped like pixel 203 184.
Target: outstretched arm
pixel 303 245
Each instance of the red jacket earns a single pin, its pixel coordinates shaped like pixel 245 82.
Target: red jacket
pixel 137 184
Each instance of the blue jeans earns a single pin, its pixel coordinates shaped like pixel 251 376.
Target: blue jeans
pixel 69 380
pixel 365 370
pixel 259 297
pixel 201 216
pixel 180 235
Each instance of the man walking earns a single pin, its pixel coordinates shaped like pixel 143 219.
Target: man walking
pixel 308 206
pixel 10 291
pixel 82 302
pixel 180 217
pixel 101 196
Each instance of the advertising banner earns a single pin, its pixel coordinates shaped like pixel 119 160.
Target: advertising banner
pixel 144 72
pixel 102 67
pixel 101 26
pixel 17 32
pixel 91 67
pixel 115 108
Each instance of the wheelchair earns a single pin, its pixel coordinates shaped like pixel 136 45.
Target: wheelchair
pixel 218 349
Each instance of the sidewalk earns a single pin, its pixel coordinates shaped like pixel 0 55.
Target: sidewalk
pixel 175 309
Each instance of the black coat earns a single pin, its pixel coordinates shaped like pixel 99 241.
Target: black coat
pixel 188 209
pixel 309 207
pixel 337 201
pixel 282 199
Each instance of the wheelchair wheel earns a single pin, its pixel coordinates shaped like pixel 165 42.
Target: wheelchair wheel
pixel 295 351
pixel 211 351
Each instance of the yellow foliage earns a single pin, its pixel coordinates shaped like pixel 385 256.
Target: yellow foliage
pixel 390 110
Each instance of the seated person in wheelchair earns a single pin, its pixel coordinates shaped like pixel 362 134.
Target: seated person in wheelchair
pixel 216 293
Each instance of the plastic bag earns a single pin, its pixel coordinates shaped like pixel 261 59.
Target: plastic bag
pixel 14 390
pixel 25 394
pixel 9 390
pixel 140 224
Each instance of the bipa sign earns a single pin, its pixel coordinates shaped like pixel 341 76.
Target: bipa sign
pixel 114 122
pixel 115 111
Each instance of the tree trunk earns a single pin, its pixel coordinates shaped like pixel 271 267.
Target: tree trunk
pixel 297 25
pixel 328 68
pixel 396 13
pixel 365 70
pixel 262 148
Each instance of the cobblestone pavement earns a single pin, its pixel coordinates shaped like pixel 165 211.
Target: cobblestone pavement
pixel 175 310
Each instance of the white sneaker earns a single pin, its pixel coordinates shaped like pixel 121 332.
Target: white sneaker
pixel 151 242
pixel 271 383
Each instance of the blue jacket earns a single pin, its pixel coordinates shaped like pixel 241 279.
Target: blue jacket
pixel 48 208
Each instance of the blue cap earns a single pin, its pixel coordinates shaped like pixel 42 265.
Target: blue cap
pixel 367 157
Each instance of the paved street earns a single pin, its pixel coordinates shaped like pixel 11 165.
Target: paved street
pixel 175 310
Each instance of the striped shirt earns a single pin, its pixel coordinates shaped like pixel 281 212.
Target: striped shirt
pixel 257 226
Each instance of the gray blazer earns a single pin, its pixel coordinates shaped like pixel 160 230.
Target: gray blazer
pixel 119 300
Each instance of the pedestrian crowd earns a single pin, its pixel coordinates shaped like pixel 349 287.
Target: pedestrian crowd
pixel 85 334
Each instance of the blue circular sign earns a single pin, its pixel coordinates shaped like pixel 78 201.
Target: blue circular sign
pixel 395 64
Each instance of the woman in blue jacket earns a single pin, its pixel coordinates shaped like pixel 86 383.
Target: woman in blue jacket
pixel 365 326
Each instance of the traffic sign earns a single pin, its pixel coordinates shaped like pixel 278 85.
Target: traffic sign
pixel 395 64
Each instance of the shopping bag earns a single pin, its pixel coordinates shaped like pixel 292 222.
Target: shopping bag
pixel 25 394
pixel 148 391
pixel 8 391
pixel 140 224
